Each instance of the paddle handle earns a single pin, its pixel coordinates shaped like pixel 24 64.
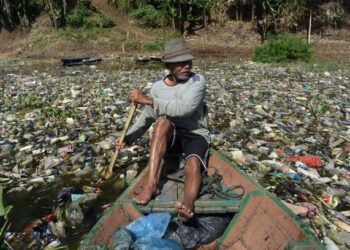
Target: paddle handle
pixel 122 137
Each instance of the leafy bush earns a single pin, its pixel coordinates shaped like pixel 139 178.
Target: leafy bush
pixel 283 49
pixel 105 21
pixel 77 17
pixel 149 16
pixel 89 24
pixel 154 46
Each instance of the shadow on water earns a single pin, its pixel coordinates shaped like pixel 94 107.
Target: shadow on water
pixel 29 206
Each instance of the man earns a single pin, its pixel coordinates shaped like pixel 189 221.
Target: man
pixel 176 105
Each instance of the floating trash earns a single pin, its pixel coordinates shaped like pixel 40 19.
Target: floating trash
pixel 288 127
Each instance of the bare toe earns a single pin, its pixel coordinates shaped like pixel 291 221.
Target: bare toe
pixel 145 196
pixel 142 198
pixel 185 213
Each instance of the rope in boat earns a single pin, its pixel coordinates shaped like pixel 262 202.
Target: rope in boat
pixel 212 185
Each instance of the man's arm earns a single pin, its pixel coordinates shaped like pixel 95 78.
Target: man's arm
pixel 143 122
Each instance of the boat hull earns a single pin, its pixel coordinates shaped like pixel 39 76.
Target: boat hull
pixel 262 221
pixel 69 61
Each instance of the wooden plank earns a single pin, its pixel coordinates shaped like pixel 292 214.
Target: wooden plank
pixel 169 192
pixel 200 206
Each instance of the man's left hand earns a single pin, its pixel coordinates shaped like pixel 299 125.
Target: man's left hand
pixel 138 97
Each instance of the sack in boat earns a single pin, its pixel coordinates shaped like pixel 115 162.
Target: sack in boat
pixel 202 230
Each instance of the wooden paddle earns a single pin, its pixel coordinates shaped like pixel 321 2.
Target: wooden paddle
pixel 109 173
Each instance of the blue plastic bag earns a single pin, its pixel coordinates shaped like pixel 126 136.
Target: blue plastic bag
pixel 122 239
pixel 146 234
pixel 156 244
pixel 153 225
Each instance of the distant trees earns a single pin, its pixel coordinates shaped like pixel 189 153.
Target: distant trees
pixel 6 14
pixel 22 12
pixel 274 16
pixel 13 13
pixel 181 15
pixel 57 10
pixel 267 16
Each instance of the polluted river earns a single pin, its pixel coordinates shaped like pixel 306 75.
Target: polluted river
pixel 287 126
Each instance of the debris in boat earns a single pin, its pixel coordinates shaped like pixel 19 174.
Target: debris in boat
pixel 146 233
pixel 203 230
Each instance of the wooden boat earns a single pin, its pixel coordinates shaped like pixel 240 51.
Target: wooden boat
pixel 146 59
pixel 68 61
pixel 259 221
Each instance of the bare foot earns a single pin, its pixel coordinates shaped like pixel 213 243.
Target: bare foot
pixel 146 195
pixel 185 212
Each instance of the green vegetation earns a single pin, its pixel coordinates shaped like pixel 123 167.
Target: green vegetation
pixel 90 24
pixel 154 46
pixel 42 41
pixel 175 13
pixel 81 17
pixel 105 21
pixel 283 49
pixel 78 35
pixel 78 17
pixel 149 16
pixel 324 65
pixel 268 16
pixel 59 113
pixel 4 212
pixel 31 101
pixel 317 108
pixel 84 4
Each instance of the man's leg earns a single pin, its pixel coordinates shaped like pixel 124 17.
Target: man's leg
pixel 191 189
pixel 162 134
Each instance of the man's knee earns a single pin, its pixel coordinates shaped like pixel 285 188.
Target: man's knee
pixel 192 165
pixel 162 124
pixel 162 121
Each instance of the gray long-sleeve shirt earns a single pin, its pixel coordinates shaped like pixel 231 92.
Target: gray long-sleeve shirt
pixel 182 104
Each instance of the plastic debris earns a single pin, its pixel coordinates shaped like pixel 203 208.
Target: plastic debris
pixel 146 233
pixel 287 127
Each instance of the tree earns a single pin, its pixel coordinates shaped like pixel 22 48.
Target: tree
pixel 57 10
pixel 23 12
pixel 311 6
pixel 271 12
pixel 204 7
pixel 6 18
pixel 181 13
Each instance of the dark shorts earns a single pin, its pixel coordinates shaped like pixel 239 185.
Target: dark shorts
pixel 189 144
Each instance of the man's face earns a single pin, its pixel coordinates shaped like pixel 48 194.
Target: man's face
pixel 180 70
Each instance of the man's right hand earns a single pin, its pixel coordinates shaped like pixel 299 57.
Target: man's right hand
pixel 118 145
pixel 137 96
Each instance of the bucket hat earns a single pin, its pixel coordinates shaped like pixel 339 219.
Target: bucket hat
pixel 177 51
